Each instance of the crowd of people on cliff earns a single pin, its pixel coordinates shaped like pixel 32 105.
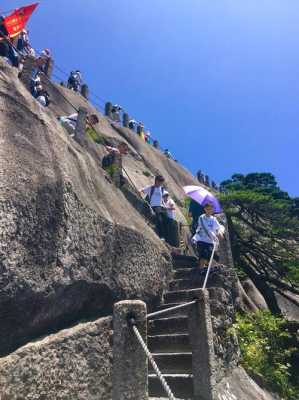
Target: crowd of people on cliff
pixel 205 227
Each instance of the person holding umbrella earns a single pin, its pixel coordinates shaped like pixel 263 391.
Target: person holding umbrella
pixel 208 228
pixel 206 236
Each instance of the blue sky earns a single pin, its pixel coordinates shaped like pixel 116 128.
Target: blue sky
pixel 216 81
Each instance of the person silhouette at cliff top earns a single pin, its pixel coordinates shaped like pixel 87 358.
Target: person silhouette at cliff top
pixel 207 233
pixel 154 196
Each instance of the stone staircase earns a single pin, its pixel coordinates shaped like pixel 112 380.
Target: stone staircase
pixel 168 337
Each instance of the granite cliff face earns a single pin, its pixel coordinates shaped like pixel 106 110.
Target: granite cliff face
pixel 71 244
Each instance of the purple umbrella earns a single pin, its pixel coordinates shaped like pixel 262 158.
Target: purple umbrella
pixel 202 196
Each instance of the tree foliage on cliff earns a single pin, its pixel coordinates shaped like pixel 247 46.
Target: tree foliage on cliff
pixel 269 351
pixel 264 227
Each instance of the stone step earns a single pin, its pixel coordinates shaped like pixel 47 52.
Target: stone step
pixel 182 273
pixel 181 261
pixel 180 384
pixel 179 284
pixel 181 312
pixel 173 363
pixel 169 343
pixel 179 296
pixel 164 326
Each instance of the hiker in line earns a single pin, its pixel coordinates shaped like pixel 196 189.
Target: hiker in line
pixel 195 211
pixel 112 162
pixel 74 81
pixel 167 153
pixel 140 130
pixel 169 204
pixel 115 112
pixel 207 233
pixel 23 44
pixel 147 136
pixel 154 196
pixel 42 61
pixel 156 144
pixel 69 122
pixel 132 124
pixel 6 48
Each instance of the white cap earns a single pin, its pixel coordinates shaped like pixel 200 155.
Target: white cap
pixel 165 193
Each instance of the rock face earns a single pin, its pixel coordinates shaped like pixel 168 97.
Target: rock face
pixel 70 242
pixel 73 364
pixel 239 386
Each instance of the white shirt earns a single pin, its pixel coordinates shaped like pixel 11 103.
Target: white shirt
pixel 170 204
pixel 70 120
pixel 156 199
pixel 212 226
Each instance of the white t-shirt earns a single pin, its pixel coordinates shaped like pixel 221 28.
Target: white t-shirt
pixel 157 197
pixel 212 226
pixel 170 205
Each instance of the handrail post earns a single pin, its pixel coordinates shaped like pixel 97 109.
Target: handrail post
pixel 81 124
pixel 201 339
pixel 130 370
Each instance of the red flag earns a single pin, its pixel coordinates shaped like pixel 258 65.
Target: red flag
pixel 16 22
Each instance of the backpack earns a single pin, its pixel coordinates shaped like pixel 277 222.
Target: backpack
pixel 107 160
pixel 149 197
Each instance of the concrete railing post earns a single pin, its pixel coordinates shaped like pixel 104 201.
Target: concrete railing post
pixel 85 91
pixel 27 71
pixel 81 124
pixel 201 339
pixel 130 371
pixel 126 120
pixel 108 109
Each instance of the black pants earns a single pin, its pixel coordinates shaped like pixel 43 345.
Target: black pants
pixel 161 221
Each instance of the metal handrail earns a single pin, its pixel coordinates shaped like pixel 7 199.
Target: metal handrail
pixel 167 310
pixel 190 303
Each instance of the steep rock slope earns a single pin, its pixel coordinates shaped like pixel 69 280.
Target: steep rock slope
pixel 71 244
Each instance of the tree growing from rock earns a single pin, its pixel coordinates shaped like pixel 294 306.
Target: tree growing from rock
pixel 264 229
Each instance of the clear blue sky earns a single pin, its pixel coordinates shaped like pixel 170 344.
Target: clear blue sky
pixel 216 81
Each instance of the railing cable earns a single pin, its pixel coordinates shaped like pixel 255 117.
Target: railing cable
pixel 152 361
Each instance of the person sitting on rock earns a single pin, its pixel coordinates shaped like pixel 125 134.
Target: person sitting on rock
pixel 154 196
pixel 207 233
pixel 112 162
pixel 75 81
